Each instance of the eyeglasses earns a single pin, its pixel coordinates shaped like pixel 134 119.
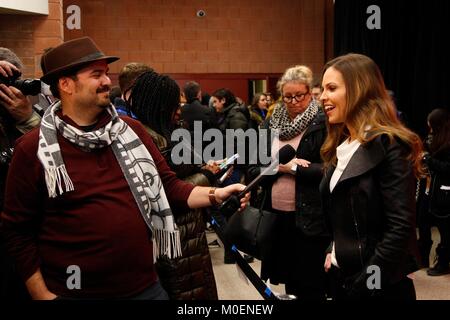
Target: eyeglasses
pixel 297 97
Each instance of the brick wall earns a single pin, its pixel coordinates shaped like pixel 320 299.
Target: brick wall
pixel 247 36
pixel 29 35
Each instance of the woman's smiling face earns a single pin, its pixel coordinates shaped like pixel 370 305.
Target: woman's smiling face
pixel 333 97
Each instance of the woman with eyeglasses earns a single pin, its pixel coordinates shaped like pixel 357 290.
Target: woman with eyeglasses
pixel 296 256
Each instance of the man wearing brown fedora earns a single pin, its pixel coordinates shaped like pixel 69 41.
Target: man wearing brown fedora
pixel 88 206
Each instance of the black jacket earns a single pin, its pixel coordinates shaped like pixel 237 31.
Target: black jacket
pixel 234 116
pixel 439 167
pixel 195 111
pixel 371 213
pixel 8 136
pixel 12 287
pixel 309 215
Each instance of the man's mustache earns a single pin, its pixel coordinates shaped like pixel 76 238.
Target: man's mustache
pixel 104 89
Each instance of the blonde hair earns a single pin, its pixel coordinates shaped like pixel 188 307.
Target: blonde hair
pixel 130 72
pixel 368 105
pixel 300 74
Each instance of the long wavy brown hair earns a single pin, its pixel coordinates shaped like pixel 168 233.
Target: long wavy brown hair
pixel 368 105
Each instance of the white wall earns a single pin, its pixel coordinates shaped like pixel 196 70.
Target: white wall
pixel 24 6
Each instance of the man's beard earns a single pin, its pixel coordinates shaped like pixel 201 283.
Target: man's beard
pixel 103 103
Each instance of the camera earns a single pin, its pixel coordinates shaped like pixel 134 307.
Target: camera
pixel 29 87
pixel 5 156
pixel 201 13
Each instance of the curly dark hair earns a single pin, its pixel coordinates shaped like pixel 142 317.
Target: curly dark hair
pixel 154 99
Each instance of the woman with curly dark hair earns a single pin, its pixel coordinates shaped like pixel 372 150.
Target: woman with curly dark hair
pixel 155 99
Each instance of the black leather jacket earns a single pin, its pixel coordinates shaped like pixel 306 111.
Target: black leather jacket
pixel 371 213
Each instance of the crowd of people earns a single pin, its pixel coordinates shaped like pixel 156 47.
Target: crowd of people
pixel 103 193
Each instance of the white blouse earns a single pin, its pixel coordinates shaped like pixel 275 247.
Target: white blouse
pixel 344 153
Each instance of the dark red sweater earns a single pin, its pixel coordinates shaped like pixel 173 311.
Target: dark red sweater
pixel 97 227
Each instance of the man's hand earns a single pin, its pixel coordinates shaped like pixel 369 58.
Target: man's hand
pixel 200 196
pixel 18 105
pixel 37 288
pixel 223 194
pixel 7 69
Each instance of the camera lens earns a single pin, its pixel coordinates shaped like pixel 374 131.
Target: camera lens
pixel 5 80
pixel 29 87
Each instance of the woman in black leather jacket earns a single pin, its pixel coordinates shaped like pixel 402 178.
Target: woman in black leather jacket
pixel 368 189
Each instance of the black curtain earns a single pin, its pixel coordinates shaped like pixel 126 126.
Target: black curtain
pixel 410 49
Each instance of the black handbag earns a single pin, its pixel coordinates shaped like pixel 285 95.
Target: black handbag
pixel 251 230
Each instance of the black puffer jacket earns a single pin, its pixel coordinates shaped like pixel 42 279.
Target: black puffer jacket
pixel 190 277
pixel 371 213
pixel 235 116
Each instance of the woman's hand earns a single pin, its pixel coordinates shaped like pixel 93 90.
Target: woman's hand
pixel 302 162
pixel 287 168
pixel 327 264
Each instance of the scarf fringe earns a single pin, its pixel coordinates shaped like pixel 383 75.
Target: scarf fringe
pixel 54 177
pixel 166 243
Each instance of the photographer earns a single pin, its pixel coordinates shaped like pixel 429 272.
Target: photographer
pixel 16 118
pixel 16 106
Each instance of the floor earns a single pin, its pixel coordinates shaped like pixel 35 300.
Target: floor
pixel 233 285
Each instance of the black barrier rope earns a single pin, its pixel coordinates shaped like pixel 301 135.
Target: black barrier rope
pixel 251 275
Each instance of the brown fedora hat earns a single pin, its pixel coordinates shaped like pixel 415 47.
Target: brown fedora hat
pixel 71 55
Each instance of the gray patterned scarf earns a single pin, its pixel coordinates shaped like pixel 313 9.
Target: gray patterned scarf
pixel 289 129
pixel 135 161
